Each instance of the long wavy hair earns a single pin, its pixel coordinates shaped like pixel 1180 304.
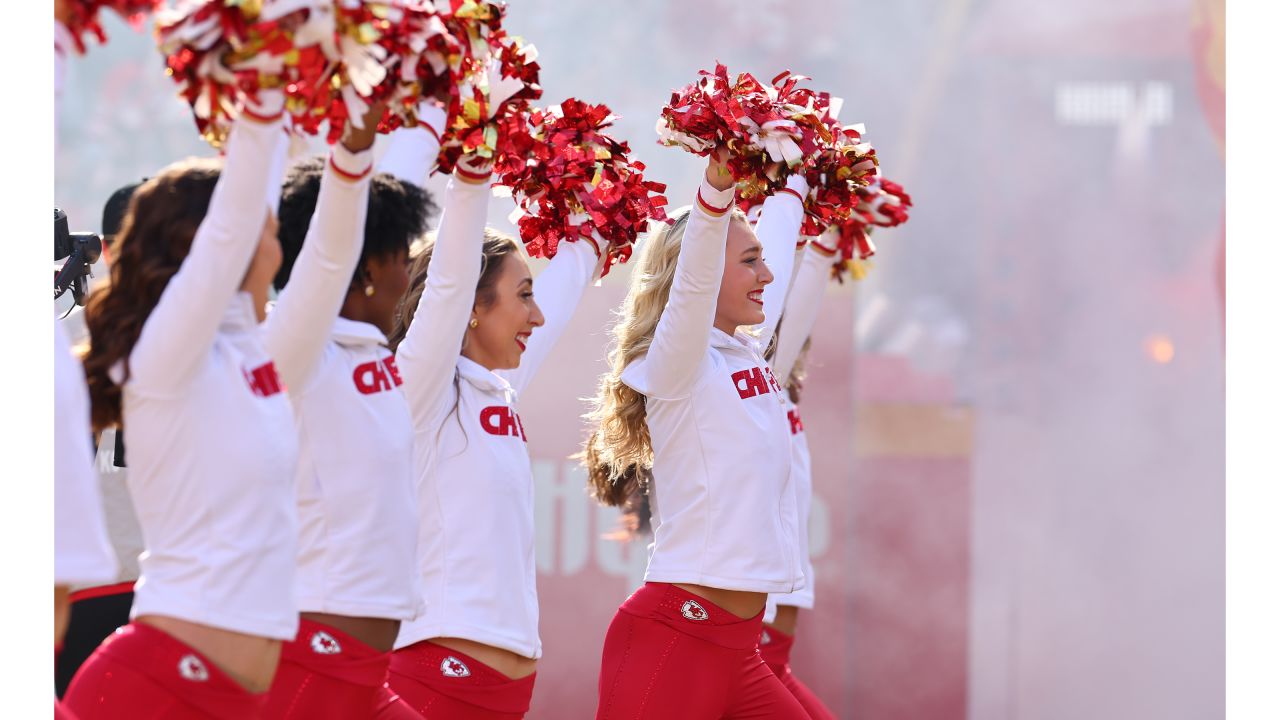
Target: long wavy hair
pixel 619 452
pixel 155 238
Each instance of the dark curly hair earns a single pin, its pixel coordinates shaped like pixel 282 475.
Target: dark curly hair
pixel 398 214
pixel 154 239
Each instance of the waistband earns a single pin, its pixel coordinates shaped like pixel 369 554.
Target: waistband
pixel 102 591
pixel 326 650
pixel 183 671
pixel 462 677
pixel 693 615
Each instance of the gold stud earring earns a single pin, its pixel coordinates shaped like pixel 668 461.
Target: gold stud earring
pixel 475 323
pixel 368 291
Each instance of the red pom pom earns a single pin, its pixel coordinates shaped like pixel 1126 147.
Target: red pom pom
pixel 495 76
pixel 368 52
pixel 83 17
pixel 578 183
pixel 881 203
pixel 839 170
pixel 770 131
pixel 220 50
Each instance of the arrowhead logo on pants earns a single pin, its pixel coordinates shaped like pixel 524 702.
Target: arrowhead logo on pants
pixel 192 669
pixel 693 611
pixel 325 644
pixel 453 667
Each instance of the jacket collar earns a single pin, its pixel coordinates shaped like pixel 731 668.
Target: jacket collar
pixel 739 341
pixel 484 379
pixel 352 333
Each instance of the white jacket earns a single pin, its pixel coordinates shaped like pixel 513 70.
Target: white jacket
pixel 357 529
pixel 801 311
pixel 212 445
pixel 724 510
pixel 82 553
pixel 475 485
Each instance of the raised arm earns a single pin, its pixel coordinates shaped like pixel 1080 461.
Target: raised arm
pixel 802 304
pixel 777 229
pixel 411 152
pixel 300 325
pixel 684 331
pixel 429 352
pixel 557 289
pixel 180 330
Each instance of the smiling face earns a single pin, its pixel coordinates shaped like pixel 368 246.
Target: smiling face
pixel 741 300
pixel 505 316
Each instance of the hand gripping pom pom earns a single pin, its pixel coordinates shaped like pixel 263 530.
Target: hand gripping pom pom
pixel 770 131
pixel 578 183
pixel 220 52
pixel 83 17
pixel 358 54
pixel 495 77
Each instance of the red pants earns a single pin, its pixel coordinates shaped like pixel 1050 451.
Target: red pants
pixel 143 673
pixel 775 649
pixel 672 654
pixel 444 684
pixel 325 672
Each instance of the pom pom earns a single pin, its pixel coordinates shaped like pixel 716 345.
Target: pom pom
pixel 881 203
pixel 364 52
pixel 83 17
pixel 840 169
pixel 220 50
pixel 578 183
pixel 496 78
pixel 770 131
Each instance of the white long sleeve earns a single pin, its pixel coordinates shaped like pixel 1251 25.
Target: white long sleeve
pixel 558 290
pixel 803 303
pixel 429 352
pixel 683 334
pixel 302 321
pixel 176 337
pixel 411 152
pixel 777 229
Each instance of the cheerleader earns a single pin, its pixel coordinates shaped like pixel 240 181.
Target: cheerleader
pixel 82 553
pixel 478 339
pixel 690 395
pixel 790 349
pixel 178 360
pixel 101 606
pixel 355 497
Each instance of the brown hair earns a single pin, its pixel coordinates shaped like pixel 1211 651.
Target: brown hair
pixel 497 246
pixel 155 238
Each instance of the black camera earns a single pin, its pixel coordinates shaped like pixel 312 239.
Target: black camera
pixel 81 251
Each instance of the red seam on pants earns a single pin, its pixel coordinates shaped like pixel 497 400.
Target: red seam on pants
pixel 631 627
pixel 657 669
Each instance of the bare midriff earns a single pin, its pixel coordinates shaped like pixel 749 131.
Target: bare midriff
pixel 377 633
pixel 504 661
pixel 739 602
pixel 248 659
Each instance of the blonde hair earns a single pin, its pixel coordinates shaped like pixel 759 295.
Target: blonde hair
pixel 619 450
